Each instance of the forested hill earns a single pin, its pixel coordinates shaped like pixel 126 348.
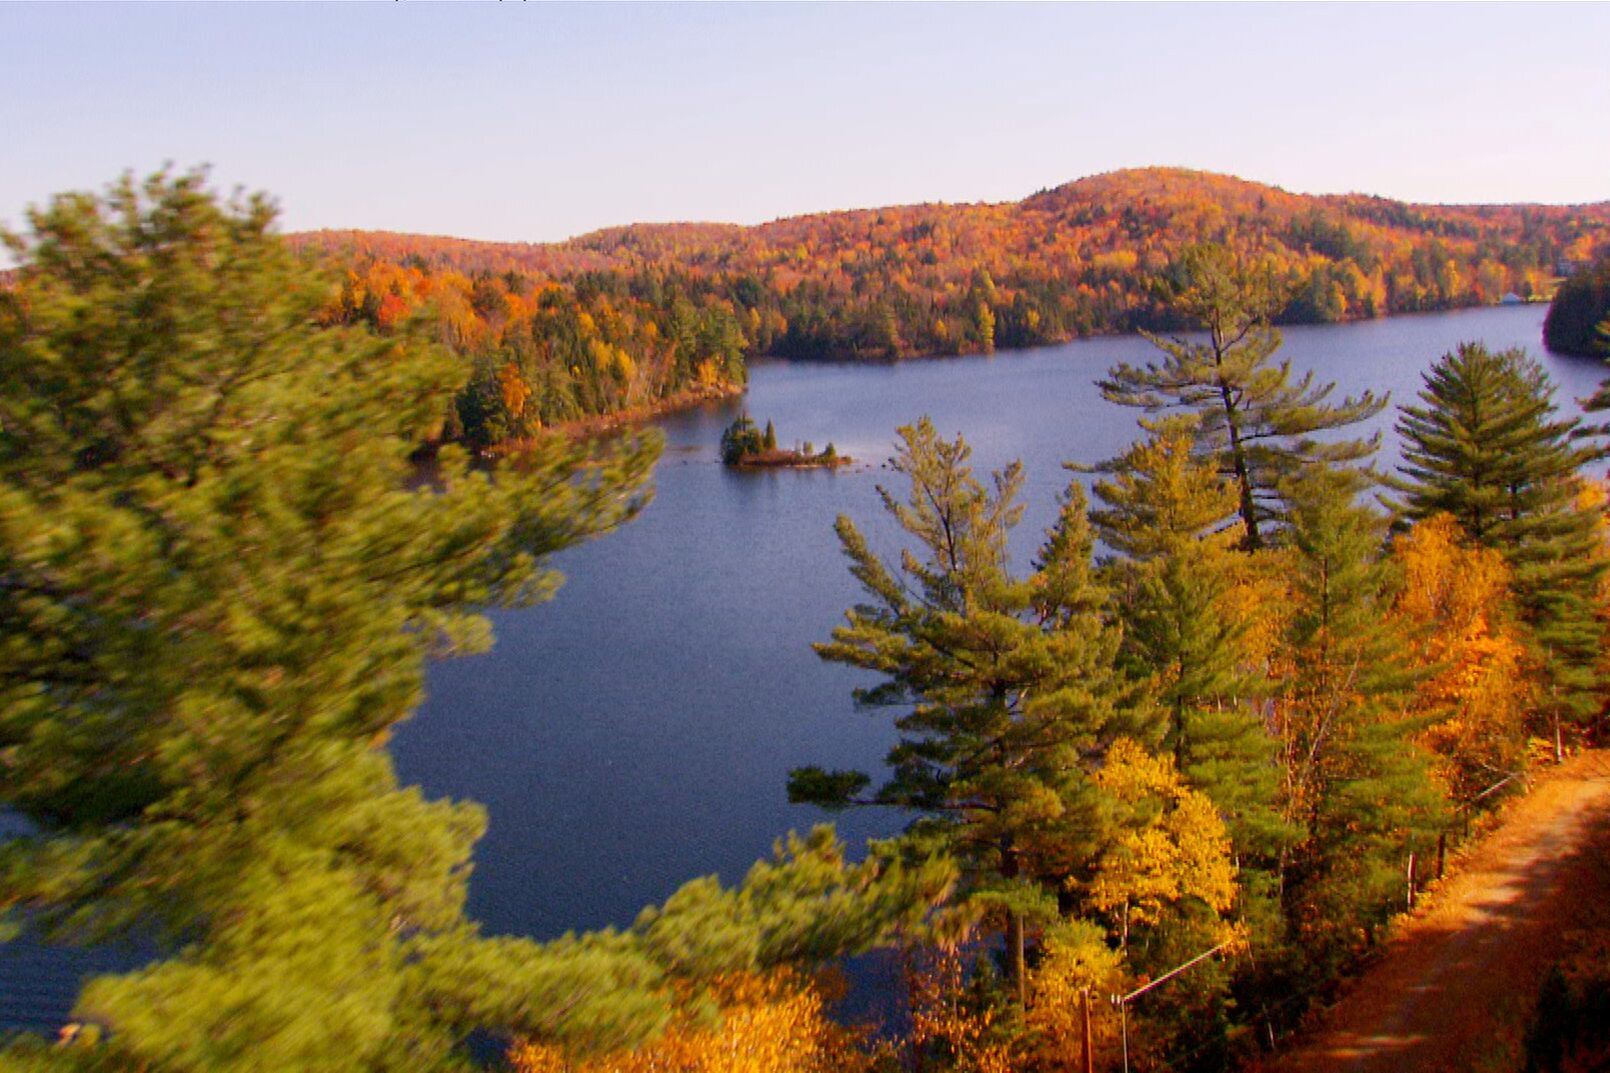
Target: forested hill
pixel 1080 259
pixel 635 315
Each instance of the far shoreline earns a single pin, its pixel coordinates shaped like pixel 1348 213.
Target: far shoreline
pixel 599 425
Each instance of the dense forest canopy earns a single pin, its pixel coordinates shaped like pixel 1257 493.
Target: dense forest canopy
pixel 632 317
pixel 1078 259
pixel 1077 242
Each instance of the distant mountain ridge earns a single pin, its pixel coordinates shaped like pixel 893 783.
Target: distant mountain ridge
pixel 1171 195
pixel 637 317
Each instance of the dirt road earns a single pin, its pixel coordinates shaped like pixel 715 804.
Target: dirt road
pixel 1452 988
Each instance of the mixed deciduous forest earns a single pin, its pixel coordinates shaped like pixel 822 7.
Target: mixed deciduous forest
pixel 1227 720
pixel 629 317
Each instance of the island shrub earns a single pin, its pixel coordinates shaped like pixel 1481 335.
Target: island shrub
pixel 742 440
pixel 744 444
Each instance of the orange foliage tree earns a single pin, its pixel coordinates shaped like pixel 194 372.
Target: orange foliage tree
pixel 1456 599
pixel 763 1023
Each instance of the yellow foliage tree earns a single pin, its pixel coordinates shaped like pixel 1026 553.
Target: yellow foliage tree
pixel 1455 596
pixel 514 389
pixel 1260 597
pixel 1173 845
pixel 1075 960
pixel 709 376
pixel 948 1023
pixel 768 1023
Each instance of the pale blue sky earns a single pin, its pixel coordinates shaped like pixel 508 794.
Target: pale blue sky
pixel 537 121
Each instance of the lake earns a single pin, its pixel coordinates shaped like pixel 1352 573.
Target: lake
pixel 638 730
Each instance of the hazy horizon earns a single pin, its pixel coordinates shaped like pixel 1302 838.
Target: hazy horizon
pixel 543 122
pixel 907 204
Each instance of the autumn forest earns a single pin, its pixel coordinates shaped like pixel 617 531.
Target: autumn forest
pixel 1162 789
pixel 633 317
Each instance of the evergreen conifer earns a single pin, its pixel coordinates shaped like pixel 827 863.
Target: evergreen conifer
pixel 1255 421
pixel 1008 684
pixel 1174 521
pixel 1487 447
pixel 1356 781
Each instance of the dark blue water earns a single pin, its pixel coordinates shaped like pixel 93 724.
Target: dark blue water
pixel 638 730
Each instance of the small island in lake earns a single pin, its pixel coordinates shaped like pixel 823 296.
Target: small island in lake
pixel 743 444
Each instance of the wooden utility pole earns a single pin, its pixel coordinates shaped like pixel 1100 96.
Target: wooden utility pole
pixel 1089 1052
pixel 1122 1001
pixel 1554 703
pixel 1014 945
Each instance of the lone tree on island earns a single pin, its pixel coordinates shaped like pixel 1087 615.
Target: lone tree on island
pixel 741 440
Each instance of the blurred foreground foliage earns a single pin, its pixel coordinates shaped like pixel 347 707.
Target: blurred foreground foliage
pixel 220 578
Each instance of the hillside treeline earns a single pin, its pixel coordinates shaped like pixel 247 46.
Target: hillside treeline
pixel 1095 256
pixel 542 353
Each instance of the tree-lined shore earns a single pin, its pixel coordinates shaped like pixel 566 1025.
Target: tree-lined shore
pixel 620 318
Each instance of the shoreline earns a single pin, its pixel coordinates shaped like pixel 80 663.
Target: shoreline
pixel 602 424
pixel 804 462
pixel 585 428
pixel 1118 333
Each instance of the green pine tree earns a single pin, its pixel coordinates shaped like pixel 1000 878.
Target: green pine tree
pixel 1255 420
pixel 1356 782
pixel 741 440
pixel 984 322
pixel 219 584
pixel 1006 684
pixel 1487 447
pixel 1173 520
